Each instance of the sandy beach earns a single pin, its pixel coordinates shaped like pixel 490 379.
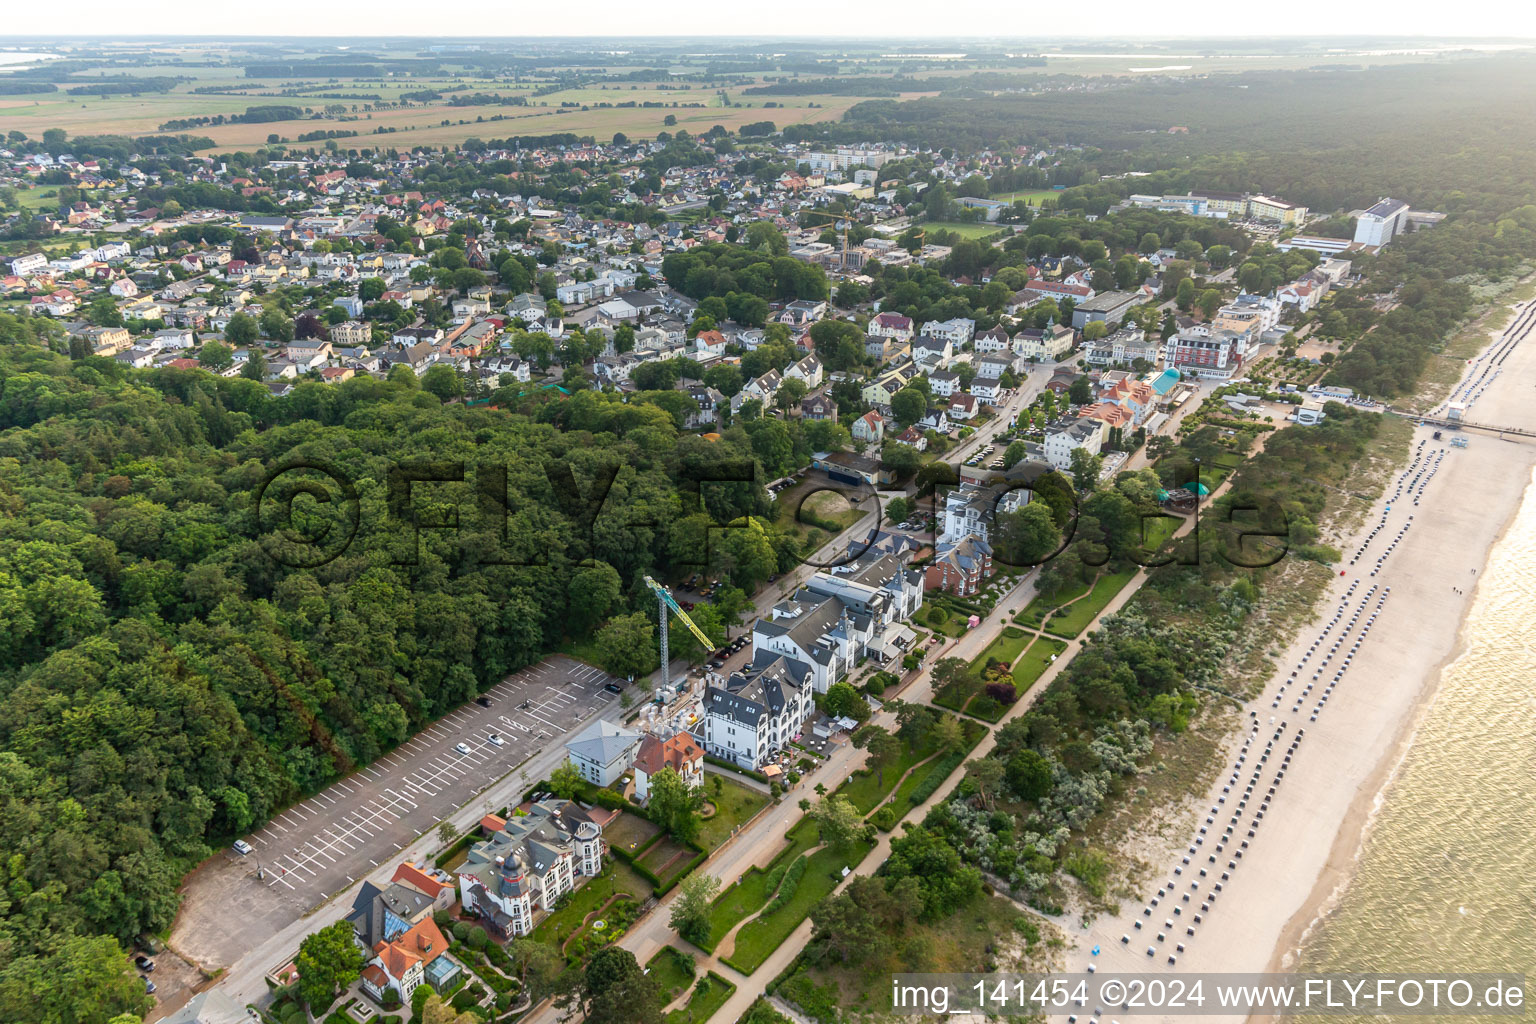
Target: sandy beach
pixel 1309 831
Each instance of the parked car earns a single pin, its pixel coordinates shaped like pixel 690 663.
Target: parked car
pixel 493 738
pixel 242 847
pixel 484 702
pixel 462 748
pixel 143 963
pixel 613 688
pixel 149 986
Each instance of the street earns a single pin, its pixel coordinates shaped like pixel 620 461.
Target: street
pixel 319 847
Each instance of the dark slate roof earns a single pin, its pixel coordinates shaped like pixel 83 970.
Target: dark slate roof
pixel 766 687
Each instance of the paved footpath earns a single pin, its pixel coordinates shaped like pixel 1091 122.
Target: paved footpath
pixel 968 646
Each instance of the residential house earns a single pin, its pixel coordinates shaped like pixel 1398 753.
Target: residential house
pixel 960 568
pixel 869 428
pixel 890 325
pixel 937 421
pixel 757 712
pixel 957 331
pixel 818 405
pixel 351 332
pixel 1050 344
pixel 879 392
pixel 808 370
pixel 995 340
pixel 1061 441
pixel 529 861
pixel 679 752
pixel 710 343
pixel 401 964
pixel 988 389
pixel 709 402
pixel 762 388
pixel 943 383
pixel 993 367
pixel 603 751
pixel 963 406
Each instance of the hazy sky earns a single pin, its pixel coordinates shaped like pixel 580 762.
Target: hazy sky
pixel 949 18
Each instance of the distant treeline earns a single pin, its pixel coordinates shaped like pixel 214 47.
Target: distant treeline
pixel 269 112
pixel 14 88
pixel 330 69
pixel 252 115
pixel 120 85
pixel 485 99
pixel 321 136
pixel 835 87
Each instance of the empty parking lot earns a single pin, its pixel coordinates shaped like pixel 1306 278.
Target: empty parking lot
pixel 318 847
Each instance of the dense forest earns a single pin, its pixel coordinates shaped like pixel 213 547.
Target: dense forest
pixel 167 682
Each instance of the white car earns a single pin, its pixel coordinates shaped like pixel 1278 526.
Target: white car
pixel 493 738
pixel 462 748
pixel 242 847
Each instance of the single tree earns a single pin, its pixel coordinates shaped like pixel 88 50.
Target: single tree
pixel 675 805
pixel 329 960
pixel 690 911
pixel 616 991
pixel 565 780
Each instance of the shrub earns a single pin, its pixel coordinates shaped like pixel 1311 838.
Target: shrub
pixel 937 616
pixel 1003 692
pixel 788 886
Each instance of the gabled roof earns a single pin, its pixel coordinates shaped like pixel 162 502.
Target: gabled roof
pixel 411 875
pixel 603 742
pixel 673 752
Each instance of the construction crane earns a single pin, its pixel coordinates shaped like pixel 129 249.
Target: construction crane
pixel 664 601
pixel 840 221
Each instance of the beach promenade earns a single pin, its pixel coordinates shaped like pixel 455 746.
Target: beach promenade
pixel 1448 505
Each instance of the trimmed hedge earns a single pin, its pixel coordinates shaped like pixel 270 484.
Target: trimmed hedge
pixel 460 844
pixel 731 766
pixel 786 889
pixel 936 776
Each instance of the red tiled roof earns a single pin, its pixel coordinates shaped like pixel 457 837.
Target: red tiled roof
pixel 414 876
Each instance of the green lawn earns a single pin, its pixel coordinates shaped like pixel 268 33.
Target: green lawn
pixel 1035 661
pixel 617 877
pixel 665 858
pixel 1075 618
pixel 708 996
pixel 940 766
pixel 671 970
pixel 1032 196
pixel 1008 646
pixel 1158 530
pixel 751 891
pixel 953 625
pixel 964 230
pixel 863 788
pixel 629 831
pixel 759 937
pixel 1036 611
pixel 735 805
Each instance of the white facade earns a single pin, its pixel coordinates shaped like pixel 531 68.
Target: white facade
pixel 1059 445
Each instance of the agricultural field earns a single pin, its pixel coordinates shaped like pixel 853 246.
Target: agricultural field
pixel 438 122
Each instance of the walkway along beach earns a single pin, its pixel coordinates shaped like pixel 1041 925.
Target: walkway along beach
pixel 1385 631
